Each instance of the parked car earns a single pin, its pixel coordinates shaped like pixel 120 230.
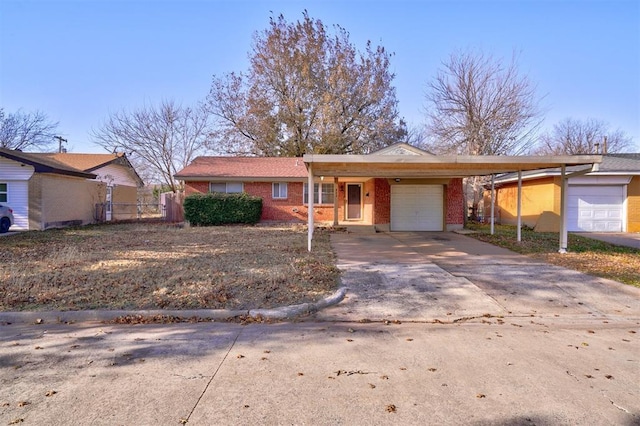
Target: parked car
pixel 6 218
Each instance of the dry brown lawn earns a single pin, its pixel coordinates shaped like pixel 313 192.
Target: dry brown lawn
pixel 151 266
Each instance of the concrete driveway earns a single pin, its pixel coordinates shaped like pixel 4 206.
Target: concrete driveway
pixel 437 329
pixel 628 239
pixel 415 276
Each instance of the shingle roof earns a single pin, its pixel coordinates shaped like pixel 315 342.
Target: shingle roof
pixel 611 163
pixel 86 162
pixel 244 167
pixel 44 164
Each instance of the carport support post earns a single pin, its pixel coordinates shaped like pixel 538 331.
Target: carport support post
pixel 519 205
pixel 493 202
pixel 564 186
pixel 335 201
pixel 310 189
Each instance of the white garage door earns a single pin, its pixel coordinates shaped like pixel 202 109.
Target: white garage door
pixel 18 200
pixel 416 207
pixel 596 208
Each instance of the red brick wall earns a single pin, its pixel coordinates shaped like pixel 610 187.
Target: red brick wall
pixel 382 211
pixel 290 209
pixel 191 188
pixel 455 203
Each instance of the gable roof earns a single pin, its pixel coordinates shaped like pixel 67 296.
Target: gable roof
pixel 86 162
pixel 44 164
pixel 254 168
pixel 400 148
pixel 612 164
pixel 92 162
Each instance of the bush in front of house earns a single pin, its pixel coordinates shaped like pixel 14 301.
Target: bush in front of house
pixel 222 209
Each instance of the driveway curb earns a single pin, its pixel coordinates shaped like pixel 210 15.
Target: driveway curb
pixel 57 317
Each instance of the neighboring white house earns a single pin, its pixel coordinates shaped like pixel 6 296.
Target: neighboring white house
pixel 52 190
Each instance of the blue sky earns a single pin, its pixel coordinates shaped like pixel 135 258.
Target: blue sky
pixel 77 61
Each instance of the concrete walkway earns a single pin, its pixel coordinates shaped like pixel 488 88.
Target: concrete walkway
pixel 486 337
pixel 627 239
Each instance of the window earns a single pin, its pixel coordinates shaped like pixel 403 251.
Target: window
pixel 322 193
pixel 279 190
pixel 226 187
pixel 3 192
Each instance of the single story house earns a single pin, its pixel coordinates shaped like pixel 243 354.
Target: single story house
pixel 399 188
pixel 606 200
pixel 420 204
pixel 54 190
pixel 116 172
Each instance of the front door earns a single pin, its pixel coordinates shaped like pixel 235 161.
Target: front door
pixel 354 201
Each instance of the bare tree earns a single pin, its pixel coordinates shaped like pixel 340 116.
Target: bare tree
pixel 159 141
pixel 25 131
pixel 591 136
pixel 478 105
pixel 307 92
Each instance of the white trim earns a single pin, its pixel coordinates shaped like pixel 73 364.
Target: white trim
pixel 600 180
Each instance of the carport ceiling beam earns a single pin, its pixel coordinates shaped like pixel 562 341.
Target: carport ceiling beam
pixel 407 166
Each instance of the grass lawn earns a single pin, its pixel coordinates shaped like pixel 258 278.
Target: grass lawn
pixel 584 254
pixel 151 266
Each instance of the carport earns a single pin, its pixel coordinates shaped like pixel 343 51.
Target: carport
pixel 402 166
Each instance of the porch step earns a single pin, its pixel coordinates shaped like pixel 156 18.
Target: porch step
pixel 359 229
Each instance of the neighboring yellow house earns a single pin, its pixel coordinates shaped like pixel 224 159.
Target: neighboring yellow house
pixel 116 172
pixel 604 201
pixel 56 190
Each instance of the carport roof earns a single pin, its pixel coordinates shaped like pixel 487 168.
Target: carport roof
pixel 416 166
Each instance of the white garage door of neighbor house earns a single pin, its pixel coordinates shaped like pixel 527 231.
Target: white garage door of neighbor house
pixel 18 200
pixel 595 208
pixel 417 207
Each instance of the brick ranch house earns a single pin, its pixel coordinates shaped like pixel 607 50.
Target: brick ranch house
pixel 399 188
pixel 417 204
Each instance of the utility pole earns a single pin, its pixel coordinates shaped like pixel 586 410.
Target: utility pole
pixel 60 140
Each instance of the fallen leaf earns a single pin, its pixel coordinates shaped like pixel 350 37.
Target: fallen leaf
pixel 591 332
pixel 391 408
pixel 609 376
pixel 38 347
pixel 403 368
pixel 385 377
pixel 372 386
pixel 409 340
pixel 431 369
pixel 39 321
pixel 50 393
pixel 16 421
pixel 349 340
pixel 300 374
pixel 23 403
pixel 240 356
pixel 481 395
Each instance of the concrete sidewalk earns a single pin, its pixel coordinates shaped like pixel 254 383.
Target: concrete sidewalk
pixel 436 329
